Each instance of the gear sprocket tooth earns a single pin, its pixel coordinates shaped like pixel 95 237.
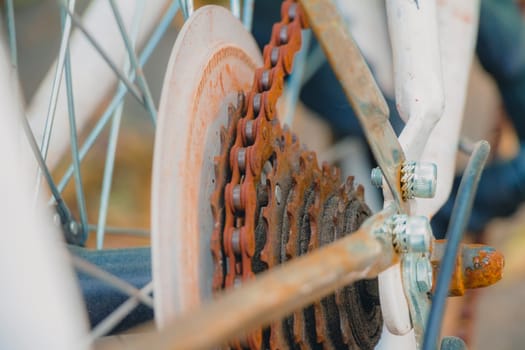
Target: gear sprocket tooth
pixel 296 211
pixel 222 175
pixel 320 316
pixel 344 193
pixel 273 202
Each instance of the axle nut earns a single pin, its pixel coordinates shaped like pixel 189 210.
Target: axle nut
pixel 424 275
pixel 418 180
pixel 411 234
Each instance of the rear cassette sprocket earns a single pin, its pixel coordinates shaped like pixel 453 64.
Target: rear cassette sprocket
pixel 278 204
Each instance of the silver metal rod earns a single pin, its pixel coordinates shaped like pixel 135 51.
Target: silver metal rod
pixel 115 128
pixel 108 176
pixel 122 230
pixel 186 7
pixel 247 14
pixel 235 8
pixel 42 163
pixel 81 200
pixel 121 92
pixel 132 88
pixel 55 89
pixel 11 31
pixel 141 79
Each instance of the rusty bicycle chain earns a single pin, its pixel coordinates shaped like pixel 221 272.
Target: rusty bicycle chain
pixel 272 203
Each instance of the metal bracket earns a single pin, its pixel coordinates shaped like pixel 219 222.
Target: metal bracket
pixel 412 238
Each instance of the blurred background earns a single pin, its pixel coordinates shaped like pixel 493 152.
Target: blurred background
pixel 496 311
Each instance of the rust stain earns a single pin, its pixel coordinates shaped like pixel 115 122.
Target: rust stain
pixel 477 266
pixel 484 269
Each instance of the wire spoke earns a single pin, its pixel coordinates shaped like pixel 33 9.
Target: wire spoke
pixel 235 8
pixel 81 200
pixel 186 7
pixel 122 230
pixel 114 281
pixel 113 319
pixel 141 79
pixel 115 128
pixel 10 14
pixel 132 88
pixel 42 163
pixel 247 14
pixel 55 88
pixel 108 176
pixel 121 91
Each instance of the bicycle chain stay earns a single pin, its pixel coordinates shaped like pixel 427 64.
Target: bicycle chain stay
pixel 272 202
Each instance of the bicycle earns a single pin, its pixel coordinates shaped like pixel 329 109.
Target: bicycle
pixel 390 182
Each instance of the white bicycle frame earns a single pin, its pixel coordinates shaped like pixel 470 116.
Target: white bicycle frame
pixel 432 45
pixel 432 48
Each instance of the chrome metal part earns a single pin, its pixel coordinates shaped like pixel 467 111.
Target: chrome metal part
pixel 418 180
pixel 376 177
pixel 121 92
pixel 417 236
pixel 74 228
pixel 415 282
pixel 424 275
pixel 186 7
pixel 409 234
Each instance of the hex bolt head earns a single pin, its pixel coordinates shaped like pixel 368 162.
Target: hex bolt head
pixel 419 234
pixel 376 177
pixel 418 180
pixel 425 180
pixel 411 234
pixel 424 275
